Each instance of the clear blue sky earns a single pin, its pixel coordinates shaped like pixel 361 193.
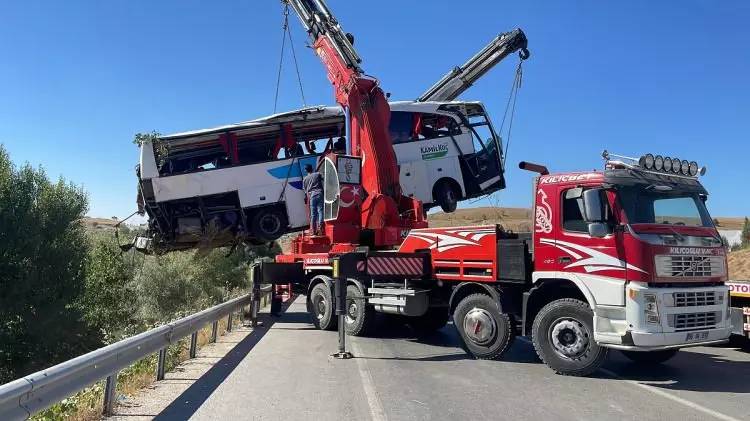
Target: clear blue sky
pixel 78 79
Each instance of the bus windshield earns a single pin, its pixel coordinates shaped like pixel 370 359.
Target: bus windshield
pixel 649 204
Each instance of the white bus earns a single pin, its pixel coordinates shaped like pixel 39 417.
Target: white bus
pixel 243 182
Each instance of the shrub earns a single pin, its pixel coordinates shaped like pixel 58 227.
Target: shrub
pixel 42 253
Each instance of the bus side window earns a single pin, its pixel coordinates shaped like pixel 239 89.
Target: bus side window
pixel 400 126
pixel 435 125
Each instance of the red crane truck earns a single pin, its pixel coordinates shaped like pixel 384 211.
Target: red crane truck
pixel 625 258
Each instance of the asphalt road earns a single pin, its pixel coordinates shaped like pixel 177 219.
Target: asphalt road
pixel 285 373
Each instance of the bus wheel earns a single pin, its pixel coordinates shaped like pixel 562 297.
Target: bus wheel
pixel 446 196
pixel 563 336
pixel 269 223
pixel 486 331
pixel 359 316
pixel 321 308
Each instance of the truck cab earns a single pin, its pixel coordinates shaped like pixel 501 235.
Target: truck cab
pixel 640 245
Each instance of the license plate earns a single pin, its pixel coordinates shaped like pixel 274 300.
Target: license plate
pixel 696 336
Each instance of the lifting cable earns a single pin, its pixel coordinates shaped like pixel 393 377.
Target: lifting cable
pixel 511 105
pixel 287 33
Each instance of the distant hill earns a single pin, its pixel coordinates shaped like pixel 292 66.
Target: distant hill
pixel 516 219
pixel 99 223
pixel 739 264
pixel 519 219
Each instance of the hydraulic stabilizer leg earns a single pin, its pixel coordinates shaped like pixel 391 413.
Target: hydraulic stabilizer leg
pixel 340 289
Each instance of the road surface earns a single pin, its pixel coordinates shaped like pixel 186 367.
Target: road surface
pixel 284 372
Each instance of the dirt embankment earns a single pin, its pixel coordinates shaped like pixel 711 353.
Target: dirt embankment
pixel 739 264
pixel 516 219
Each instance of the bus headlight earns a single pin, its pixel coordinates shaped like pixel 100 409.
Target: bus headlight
pixel 651 309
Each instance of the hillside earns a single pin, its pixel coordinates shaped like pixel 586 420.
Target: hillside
pixel 516 219
pixel 739 264
pixel 99 223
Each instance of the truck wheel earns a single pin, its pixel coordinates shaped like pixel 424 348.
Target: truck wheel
pixel 650 358
pixel 486 331
pixel 446 196
pixel 435 319
pixel 321 308
pixel 563 336
pixel 268 224
pixel 359 316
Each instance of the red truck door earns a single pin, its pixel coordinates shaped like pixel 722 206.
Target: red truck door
pixel 574 253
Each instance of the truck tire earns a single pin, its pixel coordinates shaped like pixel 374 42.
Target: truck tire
pixel 485 330
pixel 435 319
pixel 359 316
pixel 563 336
pixel 269 223
pixel 446 196
pixel 650 358
pixel 321 307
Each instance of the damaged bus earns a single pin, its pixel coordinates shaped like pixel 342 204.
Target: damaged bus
pixel 243 182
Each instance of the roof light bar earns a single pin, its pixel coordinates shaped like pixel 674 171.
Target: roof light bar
pixel 670 165
pixel 657 163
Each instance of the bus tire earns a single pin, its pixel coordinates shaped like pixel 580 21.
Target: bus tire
pixel 268 223
pixel 485 330
pixel 446 195
pixel 651 357
pixel 563 336
pixel 359 316
pixel 321 307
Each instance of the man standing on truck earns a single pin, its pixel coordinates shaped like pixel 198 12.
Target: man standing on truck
pixel 313 186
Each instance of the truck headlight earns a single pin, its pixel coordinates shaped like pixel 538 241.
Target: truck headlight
pixel 651 309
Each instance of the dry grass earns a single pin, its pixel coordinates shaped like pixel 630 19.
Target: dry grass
pixel 730 223
pixel 739 264
pixel 89 404
pixel 516 219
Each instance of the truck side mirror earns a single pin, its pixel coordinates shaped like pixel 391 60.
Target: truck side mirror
pixel 598 229
pixel 592 205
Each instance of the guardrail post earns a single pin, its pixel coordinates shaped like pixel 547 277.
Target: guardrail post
pixel 161 364
pixel 193 344
pixel 229 322
pixel 110 386
pixel 214 330
pixel 255 305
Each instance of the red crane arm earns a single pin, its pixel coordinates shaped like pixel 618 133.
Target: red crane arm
pixel 369 113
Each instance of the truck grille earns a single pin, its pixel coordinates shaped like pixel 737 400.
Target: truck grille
pixel 694 299
pixel 694 320
pixel 690 266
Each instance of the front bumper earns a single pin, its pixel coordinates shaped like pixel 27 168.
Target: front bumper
pixel 630 328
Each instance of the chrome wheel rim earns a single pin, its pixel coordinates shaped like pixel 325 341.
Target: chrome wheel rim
pixel 320 306
pixel 570 338
pixel 479 325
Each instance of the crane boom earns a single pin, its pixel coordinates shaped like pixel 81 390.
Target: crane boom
pixel 455 82
pixel 383 209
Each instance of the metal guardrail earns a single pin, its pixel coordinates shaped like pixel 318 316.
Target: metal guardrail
pixel 29 395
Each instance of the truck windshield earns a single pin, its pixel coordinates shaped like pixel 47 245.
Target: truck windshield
pixel 649 205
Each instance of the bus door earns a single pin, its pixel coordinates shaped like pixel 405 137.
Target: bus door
pixel 482 168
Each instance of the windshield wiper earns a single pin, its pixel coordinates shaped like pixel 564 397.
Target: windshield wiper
pixel 679 236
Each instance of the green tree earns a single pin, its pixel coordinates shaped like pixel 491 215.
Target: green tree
pixel 42 252
pixel 108 301
pixel 746 233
